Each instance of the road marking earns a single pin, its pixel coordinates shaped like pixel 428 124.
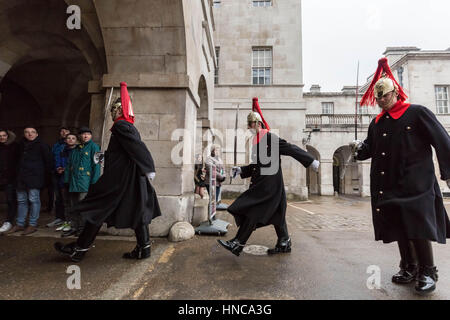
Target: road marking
pixel 139 292
pixel 132 277
pixel 309 212
pixel 165 257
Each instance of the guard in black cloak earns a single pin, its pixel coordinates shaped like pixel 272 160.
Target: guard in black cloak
pixel 407 204
pixel 264 203
pixel 123 197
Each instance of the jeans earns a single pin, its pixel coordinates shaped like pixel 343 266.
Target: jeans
pixel 11 200
pixel 33 197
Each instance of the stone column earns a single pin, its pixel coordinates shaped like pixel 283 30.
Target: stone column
pixel 364 178
pixel 326 187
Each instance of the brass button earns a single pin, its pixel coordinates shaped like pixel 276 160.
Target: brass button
pixel 383 154
pixel 378 210
pixel 385 135
pixel 408 128
pixel 387 117
pixel 381 192
pixel 382 173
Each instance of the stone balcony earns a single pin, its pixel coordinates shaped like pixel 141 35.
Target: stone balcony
pixel 329 121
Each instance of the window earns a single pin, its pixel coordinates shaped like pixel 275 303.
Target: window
pixel 262 66
pixel 442 99
pixel 216 72
pixel 217 3
pixel 262 3
pixel 327 107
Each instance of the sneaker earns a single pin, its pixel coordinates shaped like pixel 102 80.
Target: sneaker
pixel 71 232
pixel 67 228
pixel 6 227
pixel 55 223
pixel 65 225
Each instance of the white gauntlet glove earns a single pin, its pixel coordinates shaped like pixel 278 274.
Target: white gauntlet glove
pixel 236 171
pixel 448 183
pixel 315 166
pixel 151 176
pixel 356 145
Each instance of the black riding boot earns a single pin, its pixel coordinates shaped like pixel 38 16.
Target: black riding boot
pixel 284 243
pixel 235 246
pixel 77 250
pixel 143 247
pixel 72 250
pixel 407 273
pixel 408 263
pixel 428 273
pixel 283 246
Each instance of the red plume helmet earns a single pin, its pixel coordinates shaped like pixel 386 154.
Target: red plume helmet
pixel 256 108
pixel 127 108
pixel 383 70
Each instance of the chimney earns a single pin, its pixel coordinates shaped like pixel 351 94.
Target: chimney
pixel 315 88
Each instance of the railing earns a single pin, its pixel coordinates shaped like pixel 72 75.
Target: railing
pixel 337 120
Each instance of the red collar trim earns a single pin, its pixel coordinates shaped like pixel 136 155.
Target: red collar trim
pixel 397 111
pixel 129 120
pixel 259 136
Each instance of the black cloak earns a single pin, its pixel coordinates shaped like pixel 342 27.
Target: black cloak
pixel 122 197
pixel 264 203
pixel 406 200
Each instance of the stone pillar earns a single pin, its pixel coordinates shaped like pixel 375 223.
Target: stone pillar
pixel 97 116
pixel 327 188
pixel 364 178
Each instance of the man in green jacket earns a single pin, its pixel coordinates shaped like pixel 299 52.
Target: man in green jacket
pixel 80 174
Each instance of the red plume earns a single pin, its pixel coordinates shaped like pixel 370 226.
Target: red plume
pixel 256 108
pixel 127 108
pixel 383 68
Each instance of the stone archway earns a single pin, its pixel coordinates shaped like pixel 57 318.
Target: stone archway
pixel 45 68
pixel 346 178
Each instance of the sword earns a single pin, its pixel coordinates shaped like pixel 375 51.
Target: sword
pixel 106 112
pixel 235 142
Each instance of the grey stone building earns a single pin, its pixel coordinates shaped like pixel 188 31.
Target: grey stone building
pixel 53 75
pixel 330 119
pixel 259 49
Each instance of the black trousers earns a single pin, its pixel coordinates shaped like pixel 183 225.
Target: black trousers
pixel 416 252
pixel 11 199
pixel 90 232
pixel 247 227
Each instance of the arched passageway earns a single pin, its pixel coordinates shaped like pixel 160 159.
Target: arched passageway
pixel 45 68
pixel 346 177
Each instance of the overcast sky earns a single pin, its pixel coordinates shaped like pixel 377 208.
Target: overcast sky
pixel 336 34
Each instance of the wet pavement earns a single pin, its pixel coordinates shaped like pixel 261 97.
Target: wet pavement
pixel 333 247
